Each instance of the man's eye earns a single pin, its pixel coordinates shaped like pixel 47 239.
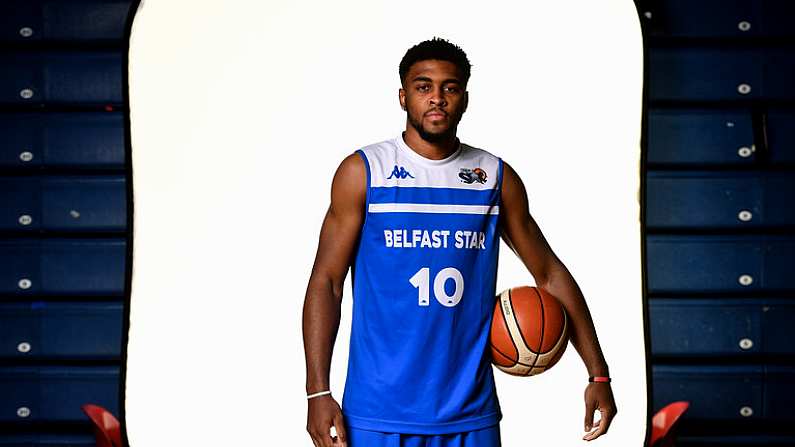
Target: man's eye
pixel 422 87
pixel 452 89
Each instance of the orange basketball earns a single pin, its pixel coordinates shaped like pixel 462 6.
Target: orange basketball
pixel 528 331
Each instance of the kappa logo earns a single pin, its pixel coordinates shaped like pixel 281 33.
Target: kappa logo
pixel 469 176
pixel 399 173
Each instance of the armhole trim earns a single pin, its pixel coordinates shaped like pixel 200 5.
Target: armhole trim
pixel 498 230
pixel 367 187
pixel 499 183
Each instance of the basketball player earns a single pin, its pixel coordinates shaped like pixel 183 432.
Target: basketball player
pixel 418 219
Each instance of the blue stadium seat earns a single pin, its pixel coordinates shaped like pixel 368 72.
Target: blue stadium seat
pixel 707 18
pixel 66 203
pixel 62 266
pixel 706 327
pixel 777 16
pixel 705 73
pixel 686 264
pixel 777 320
pixel 781 135
pixel 55 393
pixel 700 137
pixel 724 19
pixel 780 70
pixel 779 262
pixel 61 330
pixel 727 392
pixel 62 20
pixel 779 394
pixel 712 327
pixel 77 140
pixel 732 200
pixel 714 392
pixel 704 200
pixel 61 77
pixel 47 440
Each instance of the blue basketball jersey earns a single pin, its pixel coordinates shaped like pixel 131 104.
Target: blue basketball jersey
pixel 424 280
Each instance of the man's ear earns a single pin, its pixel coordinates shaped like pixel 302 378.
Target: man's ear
pixel 466 101
pixel 402 98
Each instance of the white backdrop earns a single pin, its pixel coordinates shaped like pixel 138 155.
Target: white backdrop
pixel 240 113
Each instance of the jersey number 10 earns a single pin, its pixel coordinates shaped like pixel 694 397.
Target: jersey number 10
pixel 422 279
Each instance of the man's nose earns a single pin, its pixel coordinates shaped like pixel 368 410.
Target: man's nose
pixel 439 101
pixel 437 98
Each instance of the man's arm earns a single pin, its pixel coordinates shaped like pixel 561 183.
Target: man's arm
pixel 523 236
pixel 321 318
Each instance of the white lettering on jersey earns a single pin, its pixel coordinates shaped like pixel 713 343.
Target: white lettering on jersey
pixel 416 238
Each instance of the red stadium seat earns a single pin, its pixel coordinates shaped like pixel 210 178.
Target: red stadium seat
pixel 663 422
pixel 106 427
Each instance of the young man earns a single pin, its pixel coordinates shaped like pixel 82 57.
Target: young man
pixel 418 219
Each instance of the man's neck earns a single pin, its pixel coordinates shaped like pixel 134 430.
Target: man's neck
pixel 429 150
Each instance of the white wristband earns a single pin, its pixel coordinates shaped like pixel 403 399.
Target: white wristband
pixel 322 393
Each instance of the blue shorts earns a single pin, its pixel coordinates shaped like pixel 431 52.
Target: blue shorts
pixel 485 437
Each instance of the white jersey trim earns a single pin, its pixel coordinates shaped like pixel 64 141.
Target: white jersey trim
pixel 392 165
pixel 432 208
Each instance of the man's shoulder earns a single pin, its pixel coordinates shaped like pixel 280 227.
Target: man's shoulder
pixel 354 158
pixel 379 147
pixel 478 152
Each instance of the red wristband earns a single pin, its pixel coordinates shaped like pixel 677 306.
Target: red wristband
pixel 599 379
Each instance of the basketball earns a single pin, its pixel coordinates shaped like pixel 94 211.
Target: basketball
pixel 528 331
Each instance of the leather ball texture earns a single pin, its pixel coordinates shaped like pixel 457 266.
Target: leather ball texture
pixel 529 331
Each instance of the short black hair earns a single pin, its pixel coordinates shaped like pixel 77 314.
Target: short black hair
pixel 436 48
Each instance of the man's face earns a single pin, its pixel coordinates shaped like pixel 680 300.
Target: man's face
pixel 434 98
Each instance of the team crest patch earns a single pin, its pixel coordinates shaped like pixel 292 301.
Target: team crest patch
pixel 472 175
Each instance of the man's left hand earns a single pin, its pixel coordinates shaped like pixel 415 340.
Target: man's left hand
pixel 598 395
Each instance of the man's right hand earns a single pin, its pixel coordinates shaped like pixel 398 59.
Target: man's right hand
pixel 323 412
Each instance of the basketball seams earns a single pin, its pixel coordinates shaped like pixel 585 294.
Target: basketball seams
pixel 541 339
pixel 554 354
pixel 504 319
pixel 526 361
pixel 517 367
pixel 515 330
pixel 507 357
pixel 508 325
pixel 525 344
pixel 523 350
pixel 516 362
pixel 560 345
